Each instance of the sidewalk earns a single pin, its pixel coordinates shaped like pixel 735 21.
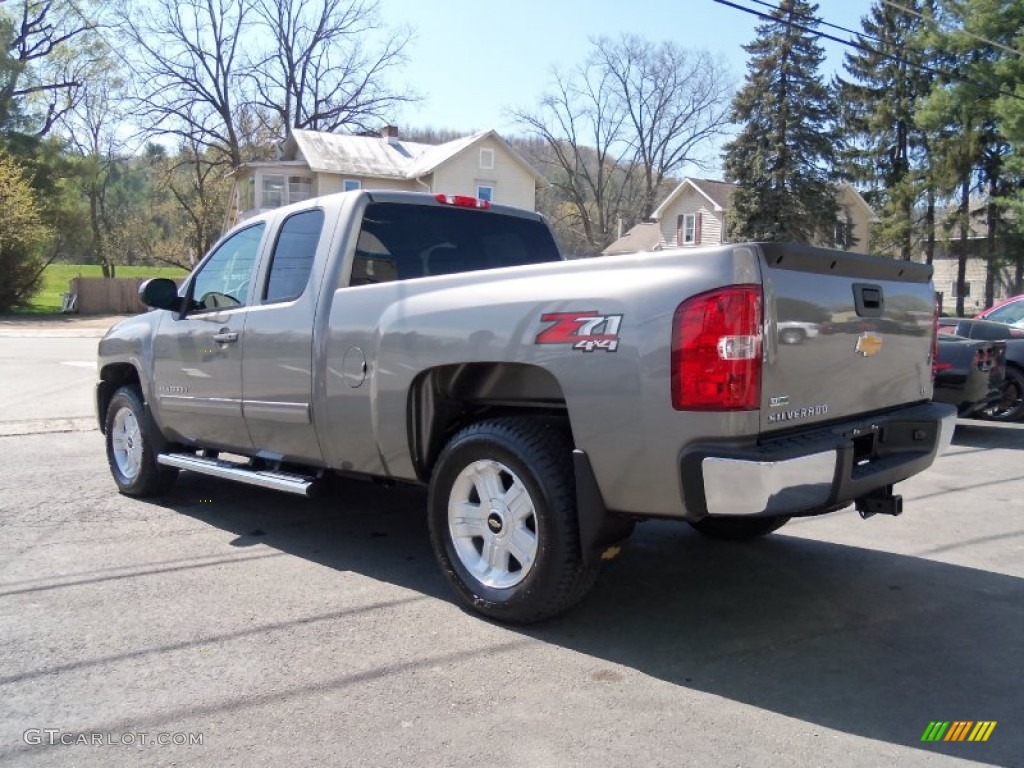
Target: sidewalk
pixel 56 326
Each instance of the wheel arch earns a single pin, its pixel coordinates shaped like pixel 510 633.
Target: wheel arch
pixel 113 376
pixel 446 398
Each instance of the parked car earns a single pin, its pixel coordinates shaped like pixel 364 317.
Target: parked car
pixel 1010 406
pixel 1009 311
pixel 794 332
pixel 969 373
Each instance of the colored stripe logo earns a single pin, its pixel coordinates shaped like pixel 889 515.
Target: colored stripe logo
pixel 958 730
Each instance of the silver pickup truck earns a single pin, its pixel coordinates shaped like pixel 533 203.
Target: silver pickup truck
pixel 548 404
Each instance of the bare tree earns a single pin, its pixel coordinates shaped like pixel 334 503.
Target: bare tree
pixel 677 103
pixel 90 121
pixel 618 126
pixel 191 70
pixel 41 67
pixel 588 154
pixel 320 73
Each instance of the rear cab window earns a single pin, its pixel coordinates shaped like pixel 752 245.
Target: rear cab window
pixel 402 242
pixel 292 259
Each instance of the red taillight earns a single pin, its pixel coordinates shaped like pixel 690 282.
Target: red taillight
pixel 463 201
pixel 716 351
pixel 935 342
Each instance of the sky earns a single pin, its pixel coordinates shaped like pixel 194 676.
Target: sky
pixel 472 61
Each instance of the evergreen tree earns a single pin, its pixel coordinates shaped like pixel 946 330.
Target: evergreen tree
pixel 974 38
pixel 784 155
pixel 885 148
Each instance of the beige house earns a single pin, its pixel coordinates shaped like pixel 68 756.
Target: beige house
pixel 311 163
pixel 695 214
pixel 946 264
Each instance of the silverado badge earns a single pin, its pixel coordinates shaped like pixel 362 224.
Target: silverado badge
pixel 868 344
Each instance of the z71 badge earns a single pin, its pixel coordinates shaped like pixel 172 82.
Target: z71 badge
pixel 585 331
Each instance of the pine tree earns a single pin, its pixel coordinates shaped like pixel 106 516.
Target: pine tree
pixel 784 155
pixel 974 38
pixel 885 148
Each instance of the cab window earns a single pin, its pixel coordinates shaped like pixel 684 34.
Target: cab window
pixel 292 260
pixel 402 242
pixel 223 282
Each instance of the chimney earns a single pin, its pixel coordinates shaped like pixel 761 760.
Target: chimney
pixel 389 132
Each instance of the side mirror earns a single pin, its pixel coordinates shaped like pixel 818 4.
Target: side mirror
pixel 160 293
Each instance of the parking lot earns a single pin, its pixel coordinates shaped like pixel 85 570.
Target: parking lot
pixel 247 627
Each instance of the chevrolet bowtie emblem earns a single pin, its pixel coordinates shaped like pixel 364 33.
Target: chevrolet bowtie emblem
pixel 868 344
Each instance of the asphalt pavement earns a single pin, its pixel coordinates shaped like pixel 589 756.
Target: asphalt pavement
pixel 246 627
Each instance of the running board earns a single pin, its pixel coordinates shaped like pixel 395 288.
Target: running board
pixel 278 481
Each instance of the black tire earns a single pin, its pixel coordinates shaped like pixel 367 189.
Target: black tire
pixel 1010 407
pixel 738 528
pixel 538 456
pixel 140 475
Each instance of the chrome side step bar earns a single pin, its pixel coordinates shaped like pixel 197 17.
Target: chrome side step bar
pixel 278 481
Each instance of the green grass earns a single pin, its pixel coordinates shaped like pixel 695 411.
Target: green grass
pixel 57 276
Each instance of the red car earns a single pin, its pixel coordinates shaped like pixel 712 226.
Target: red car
pixel 1010 312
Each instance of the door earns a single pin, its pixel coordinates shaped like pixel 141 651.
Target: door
pixel 277 368
pixel 198 359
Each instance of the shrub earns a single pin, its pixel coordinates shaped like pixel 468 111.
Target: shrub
pixel 22 237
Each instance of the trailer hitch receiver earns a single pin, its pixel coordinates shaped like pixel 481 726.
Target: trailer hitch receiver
pixel 880 502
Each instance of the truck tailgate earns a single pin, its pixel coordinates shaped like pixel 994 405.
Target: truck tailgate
pixel 845 334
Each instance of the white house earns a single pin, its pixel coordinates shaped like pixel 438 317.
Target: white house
pixel 695 213
pixel 311 163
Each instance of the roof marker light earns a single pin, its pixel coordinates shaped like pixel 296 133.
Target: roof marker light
pixel 463 201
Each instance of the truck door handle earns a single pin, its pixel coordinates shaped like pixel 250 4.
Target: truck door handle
pixel 226 337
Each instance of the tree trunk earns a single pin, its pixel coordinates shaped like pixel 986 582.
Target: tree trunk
pixel 99 244
pixel 991 256
pixel 965 228
pixel 929 226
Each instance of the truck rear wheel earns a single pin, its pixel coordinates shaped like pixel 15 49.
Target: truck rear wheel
pixel 738 528
pixel 503 520
pixel 133 443
pixel 1010 406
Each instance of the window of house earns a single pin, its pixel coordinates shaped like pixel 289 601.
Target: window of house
pixel 223 281
pixel 299 188
pixel 485 192
pixel 292 260
pixel 842 237
pixel 248 194
pixel 350 185
pixel 953 292
pixel 686 229
pixel 273 191
pixel 487 158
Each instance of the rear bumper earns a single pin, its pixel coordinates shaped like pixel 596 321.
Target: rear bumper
pixel 815 470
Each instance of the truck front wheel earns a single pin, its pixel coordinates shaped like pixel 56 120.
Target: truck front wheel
pixel 503 520
pixel 133 443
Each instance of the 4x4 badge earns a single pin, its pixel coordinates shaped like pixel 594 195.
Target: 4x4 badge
pixel 868 344
pixel 586 330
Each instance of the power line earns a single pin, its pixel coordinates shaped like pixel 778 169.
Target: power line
pixel 921 16
pixel 822 22
pixel 942 74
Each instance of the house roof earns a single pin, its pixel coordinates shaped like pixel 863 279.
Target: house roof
pixel 642 237
pixel 859 199
pixel 718 193
pixel 389 158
